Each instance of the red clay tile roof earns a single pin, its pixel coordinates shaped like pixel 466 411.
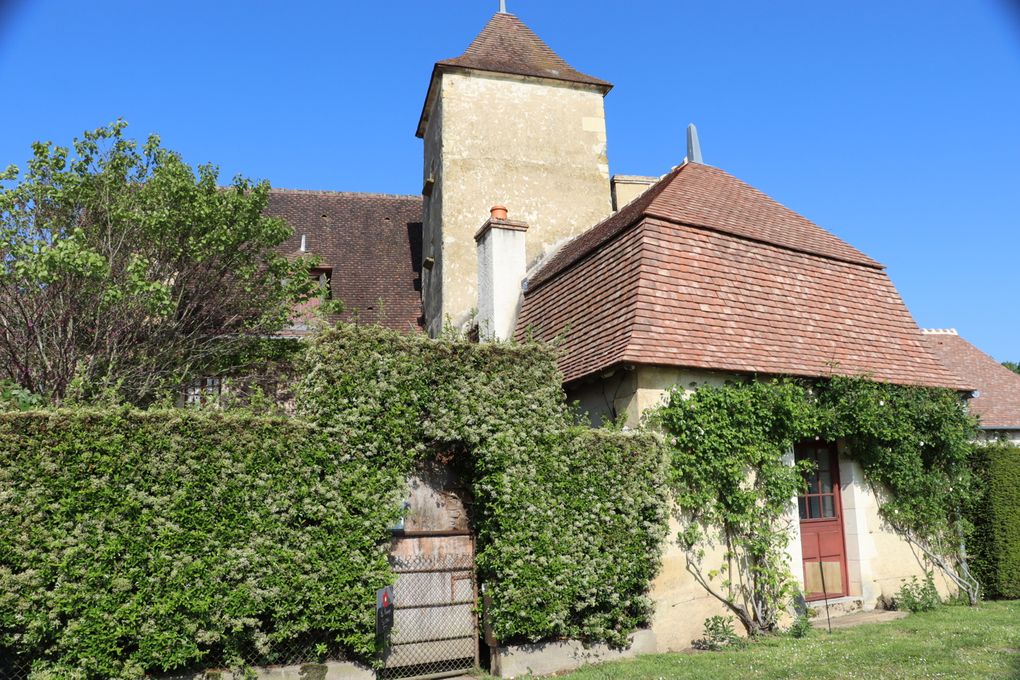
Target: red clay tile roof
pixel 371 241
pixel 998 400
pixel 703 196
pixel 705 272
pixel 506 45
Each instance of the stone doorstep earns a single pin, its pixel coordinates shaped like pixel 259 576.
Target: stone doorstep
pixel 858 618
pixel 838 607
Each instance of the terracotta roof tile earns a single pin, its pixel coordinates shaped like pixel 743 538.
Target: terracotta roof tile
pixel 998 399
pixel 703 196
pixel 706 272
pixel 371 241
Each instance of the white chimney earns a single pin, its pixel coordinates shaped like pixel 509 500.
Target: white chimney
pixel 502 265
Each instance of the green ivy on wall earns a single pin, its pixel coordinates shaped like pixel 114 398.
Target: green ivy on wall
pixel 733 488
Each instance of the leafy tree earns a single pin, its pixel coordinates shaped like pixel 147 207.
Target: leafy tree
pixel 1012 365
pixel 123 268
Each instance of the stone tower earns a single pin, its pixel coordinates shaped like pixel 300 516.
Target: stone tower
pixel 508 122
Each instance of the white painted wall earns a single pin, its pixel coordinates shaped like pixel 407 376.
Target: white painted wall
pixel 501 268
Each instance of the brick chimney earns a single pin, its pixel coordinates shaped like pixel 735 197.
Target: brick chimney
pixel 502 265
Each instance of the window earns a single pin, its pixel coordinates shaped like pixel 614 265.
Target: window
pixel 324 276
pixel 819 502
pixel 203 391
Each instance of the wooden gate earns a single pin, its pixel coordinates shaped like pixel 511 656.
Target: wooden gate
pixel 435 624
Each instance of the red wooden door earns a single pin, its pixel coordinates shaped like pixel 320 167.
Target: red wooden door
pixel 821 524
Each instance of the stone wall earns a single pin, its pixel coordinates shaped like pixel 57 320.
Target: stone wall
pixel 536 146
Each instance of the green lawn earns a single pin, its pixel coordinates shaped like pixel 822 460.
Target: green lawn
pixel 952 642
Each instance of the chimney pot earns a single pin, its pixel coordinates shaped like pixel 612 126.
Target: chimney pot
pixel 498 212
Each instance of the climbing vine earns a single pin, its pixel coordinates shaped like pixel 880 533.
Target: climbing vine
pixel 732 477
pixel 914 445
pixel 732 490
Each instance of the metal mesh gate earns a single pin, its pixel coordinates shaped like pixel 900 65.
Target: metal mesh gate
pixel 435 625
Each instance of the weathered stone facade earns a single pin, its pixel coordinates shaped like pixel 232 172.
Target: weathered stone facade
pixel 536 146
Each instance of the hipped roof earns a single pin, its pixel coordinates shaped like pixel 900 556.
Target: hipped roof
pixel 704 271
pixel 372 243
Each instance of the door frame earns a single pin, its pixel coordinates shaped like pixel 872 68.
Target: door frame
pixel 837 521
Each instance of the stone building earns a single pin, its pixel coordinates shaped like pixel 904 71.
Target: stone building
pixel 691 278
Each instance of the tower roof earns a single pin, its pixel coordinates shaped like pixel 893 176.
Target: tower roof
pixel 507 45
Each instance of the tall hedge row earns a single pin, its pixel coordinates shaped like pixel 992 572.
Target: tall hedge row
pixel 997 520
pixel 570 522
pixel 134 542
pixel 138 541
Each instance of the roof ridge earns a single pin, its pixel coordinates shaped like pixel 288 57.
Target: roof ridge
pixel 768 242
pixel 762 195
pixel 328 192
pixel 772 223
pixel 939 331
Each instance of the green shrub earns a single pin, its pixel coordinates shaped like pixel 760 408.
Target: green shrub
pixel 570 533
pixel 570 522
pixel 996 516
pixel 134 542
pixel 142 541
pixel 801 626
pixel 718 633
pixel 917 596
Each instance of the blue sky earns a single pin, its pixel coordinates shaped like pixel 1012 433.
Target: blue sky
pixel 896 125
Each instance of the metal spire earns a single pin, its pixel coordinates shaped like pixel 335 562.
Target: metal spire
pixel 693 145
pixel 502 6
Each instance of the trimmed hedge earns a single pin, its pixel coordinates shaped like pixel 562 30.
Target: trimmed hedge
pixel 570 522
pixel 996 542
pixel 134 541
pixel 142 541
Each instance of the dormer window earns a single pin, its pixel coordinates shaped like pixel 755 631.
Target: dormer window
pixel 324 277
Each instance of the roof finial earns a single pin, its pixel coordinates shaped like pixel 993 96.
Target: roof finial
pixel 693 145
pixel 502 6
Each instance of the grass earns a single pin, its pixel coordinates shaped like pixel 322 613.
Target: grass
pixel 950 642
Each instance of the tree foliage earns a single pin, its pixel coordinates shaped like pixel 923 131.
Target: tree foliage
pixel 124 267
pixel 734 490
pixel 1012 365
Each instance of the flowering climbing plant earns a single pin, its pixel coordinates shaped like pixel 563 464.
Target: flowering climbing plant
pixel 732 487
